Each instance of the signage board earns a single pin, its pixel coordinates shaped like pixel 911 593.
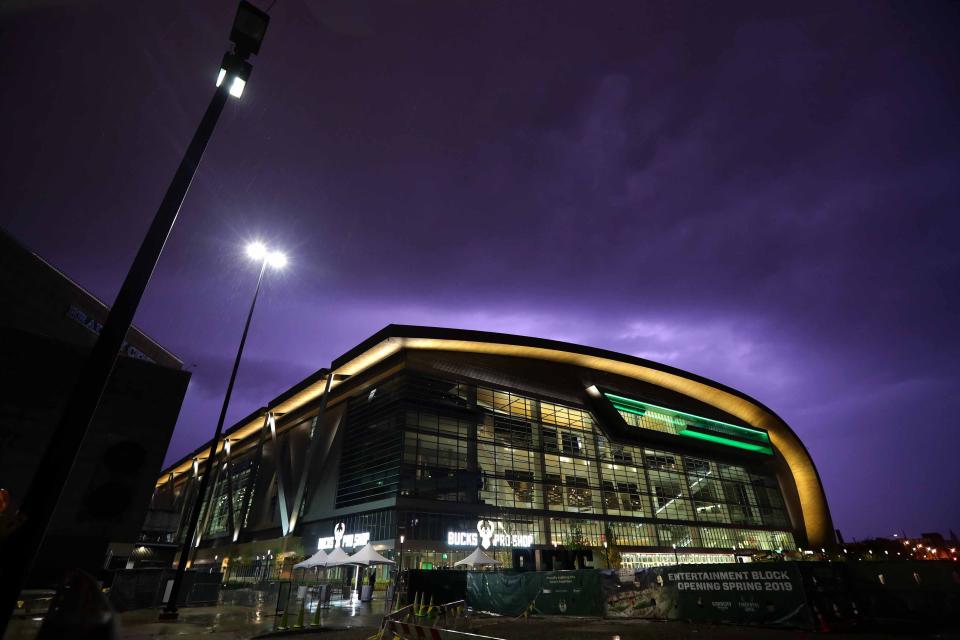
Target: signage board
pixel 341 538
pixel 486 536
pixel 81 317
pixel 771 594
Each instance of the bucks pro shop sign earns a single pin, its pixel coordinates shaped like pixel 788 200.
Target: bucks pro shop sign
pixel 343 539
pixel 489 533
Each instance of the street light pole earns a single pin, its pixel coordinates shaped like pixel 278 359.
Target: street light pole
pixel 169 612
pixel 399 579
pixel 401 551
pixel 40 500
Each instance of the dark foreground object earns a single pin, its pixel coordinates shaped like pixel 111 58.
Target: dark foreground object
pixel 146 588
pixel 79 610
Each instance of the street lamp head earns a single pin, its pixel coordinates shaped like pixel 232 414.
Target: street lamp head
pixel 256 251
pixel 249 27
pixel 239 72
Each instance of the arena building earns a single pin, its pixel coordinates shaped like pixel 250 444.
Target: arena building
pixel 428 442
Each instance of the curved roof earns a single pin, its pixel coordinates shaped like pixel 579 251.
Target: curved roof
pixel 394 338
pixel 389 340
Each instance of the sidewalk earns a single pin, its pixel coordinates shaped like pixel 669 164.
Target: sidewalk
pixel 354 621
pixel 229 622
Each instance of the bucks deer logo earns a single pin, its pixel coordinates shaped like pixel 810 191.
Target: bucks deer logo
pixel 485 529
pixel 338 532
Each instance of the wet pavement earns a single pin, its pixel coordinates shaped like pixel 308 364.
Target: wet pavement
pixel 565 628
pixel 350 620
pixel 228 621
pixel 570 628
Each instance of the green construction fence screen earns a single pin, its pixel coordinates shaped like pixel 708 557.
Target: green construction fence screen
pixel 574 593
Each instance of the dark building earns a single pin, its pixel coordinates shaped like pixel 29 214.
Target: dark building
pixel 544 453
pixel 48 326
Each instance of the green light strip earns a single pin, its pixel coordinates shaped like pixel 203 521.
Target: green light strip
pixel 623 407
pixel 727 441
pixel 616 401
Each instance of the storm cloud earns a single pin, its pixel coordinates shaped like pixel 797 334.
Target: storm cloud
pixel 764 194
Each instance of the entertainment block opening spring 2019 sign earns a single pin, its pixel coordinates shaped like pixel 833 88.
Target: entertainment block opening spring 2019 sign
pixel 714 593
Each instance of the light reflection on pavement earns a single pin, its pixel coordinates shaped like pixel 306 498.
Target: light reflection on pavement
pixel 225 621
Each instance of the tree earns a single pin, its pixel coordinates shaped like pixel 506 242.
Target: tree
pixel 578 541
pixel 610 552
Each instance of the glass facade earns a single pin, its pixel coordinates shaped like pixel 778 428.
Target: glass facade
pixel 219 520
pixel 547 469
pixel 369 463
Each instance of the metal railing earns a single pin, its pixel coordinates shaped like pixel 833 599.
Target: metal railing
pixel 423 620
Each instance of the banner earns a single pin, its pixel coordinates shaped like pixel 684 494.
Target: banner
pixel 769 595
pixel 573 593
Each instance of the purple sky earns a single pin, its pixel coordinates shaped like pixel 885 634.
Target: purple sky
pixel 762 193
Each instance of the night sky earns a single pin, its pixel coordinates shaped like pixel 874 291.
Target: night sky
pixel 765 194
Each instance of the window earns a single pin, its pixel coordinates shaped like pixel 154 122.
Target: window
pixel 553 490
pixel 677 535
pixel 698 466
pixel 370 466
pixel 522 484
pixel 630 497
pixel 569 417
pixel 704 491
pixel 579 495
pixel 669 501
pixel 618 453
pixel 514 433
pixel 610 498
pixel 660 460
pixel 219 520
pixel 716 538
pixel 504 402
pixel 633 534
pixel 741 503
pixel 572 444
pixel 550 440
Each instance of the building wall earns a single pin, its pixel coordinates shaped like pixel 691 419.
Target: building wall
pixel 458 436
pixel 109 488
pixel 47 328
pixel 41 300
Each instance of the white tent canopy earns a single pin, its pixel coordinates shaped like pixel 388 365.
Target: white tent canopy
pixel 319 559
pixel 368 556
pixel 338 558
pixel 477 559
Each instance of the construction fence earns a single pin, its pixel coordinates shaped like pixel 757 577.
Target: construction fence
pixel 803 595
